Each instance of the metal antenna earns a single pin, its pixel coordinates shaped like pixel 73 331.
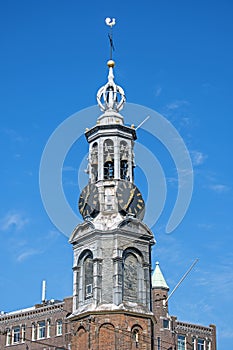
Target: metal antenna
pixel 142 122
pixel 181 280
pixel 110 22
pixel 43 298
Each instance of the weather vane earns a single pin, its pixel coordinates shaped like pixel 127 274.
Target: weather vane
pixel 110 22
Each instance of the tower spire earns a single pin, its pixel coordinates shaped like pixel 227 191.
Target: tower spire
pixel 111 97
pixel 158 280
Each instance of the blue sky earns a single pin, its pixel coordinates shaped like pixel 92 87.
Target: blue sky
pixel 174 57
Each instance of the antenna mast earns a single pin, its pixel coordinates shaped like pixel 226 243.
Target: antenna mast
pixel 43 297
pixel 181 280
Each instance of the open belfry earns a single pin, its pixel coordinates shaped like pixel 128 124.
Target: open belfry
pixel 117 302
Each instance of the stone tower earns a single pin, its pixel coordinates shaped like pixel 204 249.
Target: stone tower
pixel 112 247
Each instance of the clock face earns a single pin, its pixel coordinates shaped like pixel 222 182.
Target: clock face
pixel 89 201
pixel 130 200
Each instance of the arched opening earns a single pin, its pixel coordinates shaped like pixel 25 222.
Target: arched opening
pixel 136 337
pixel 85 277
pixel 108 159
pixel 107 337
pixel 130 277
pixel 94 162
pixel 124 161
pixel 88 277
pixel 81 339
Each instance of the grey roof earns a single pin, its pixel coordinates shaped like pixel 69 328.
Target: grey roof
pixel 158 281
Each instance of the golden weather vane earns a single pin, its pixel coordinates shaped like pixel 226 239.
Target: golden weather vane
pixel 110 22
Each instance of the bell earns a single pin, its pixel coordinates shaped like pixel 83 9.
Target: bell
pixel 109 159
pixel 124 156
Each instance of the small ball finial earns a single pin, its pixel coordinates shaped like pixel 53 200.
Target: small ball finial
pixel 111 63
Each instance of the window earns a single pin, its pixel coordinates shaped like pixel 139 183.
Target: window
pixel 136 337
pixel 94 162
pixel 88 277
pixel 23 332
pixel 8 337
pixel 59 327
pixel 16 334
pixel 124 158
pixel 48 328
pixel 200 344
pixel 166 323
pixel 89 290
pixel 108 159
pixel 33 331
pixel 130 274
pixel 193 343
pixel 181 342
pixel 158 343
pixel 41 329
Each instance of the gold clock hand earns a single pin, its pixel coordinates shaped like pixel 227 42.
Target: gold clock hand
pixel 130 198
pixel 82 208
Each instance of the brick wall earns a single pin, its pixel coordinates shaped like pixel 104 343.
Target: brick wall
pixel 112 331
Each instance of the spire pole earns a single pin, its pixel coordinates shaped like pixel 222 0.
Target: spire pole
pixel 110 22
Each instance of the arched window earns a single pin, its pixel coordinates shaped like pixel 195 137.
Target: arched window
pixel 107 337
pixel 33 331
pixel 83 278
pixel 136 337
pixel 94 162
pixel 8 336
pixel 82 339
pixel 23 330
pixel 108 159
pixel 130 276
pixel 88 276
pixel 48 328
pixel 124 161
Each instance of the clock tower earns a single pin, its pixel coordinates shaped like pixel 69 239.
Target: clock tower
pixel 112 247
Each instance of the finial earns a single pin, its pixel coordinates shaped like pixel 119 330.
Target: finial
pixel 110 22
pixel 111 64
pixel 111 97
